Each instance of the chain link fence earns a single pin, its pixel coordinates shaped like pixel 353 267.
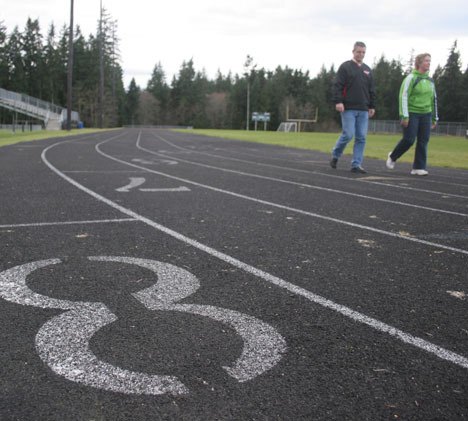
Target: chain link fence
pixel 442 128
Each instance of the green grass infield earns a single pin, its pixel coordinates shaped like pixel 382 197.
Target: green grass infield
pixel 7 137
pixel 443 151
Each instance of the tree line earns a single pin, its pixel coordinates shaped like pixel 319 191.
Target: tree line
pixel 36 65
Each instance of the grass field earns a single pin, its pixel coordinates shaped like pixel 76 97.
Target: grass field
pixel 443 151
pixel 7 137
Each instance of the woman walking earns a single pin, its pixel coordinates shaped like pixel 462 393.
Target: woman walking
pixel 418 114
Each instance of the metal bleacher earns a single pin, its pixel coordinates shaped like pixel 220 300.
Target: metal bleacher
pixel 52 115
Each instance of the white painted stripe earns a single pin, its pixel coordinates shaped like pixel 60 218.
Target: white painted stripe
pixel 134 182
pixel 345 311
pixel 367 179
pixel 48 224
pixel 170 189
pixel 279 180
pixel 379 183
pixel 288 208
pixel 102 172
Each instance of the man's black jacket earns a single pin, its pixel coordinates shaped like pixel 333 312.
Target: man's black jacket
pixel 354 86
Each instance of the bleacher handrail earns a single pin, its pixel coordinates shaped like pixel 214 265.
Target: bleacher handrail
pixel 26 99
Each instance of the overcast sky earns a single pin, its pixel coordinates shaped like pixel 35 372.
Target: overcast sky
pixel 218 34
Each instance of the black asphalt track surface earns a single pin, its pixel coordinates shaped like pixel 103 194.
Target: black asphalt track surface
pixel 362 276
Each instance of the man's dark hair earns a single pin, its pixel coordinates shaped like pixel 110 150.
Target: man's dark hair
pixel 359 44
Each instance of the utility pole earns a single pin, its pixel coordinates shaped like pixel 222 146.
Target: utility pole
pixel 70 69
pixel 248 105
pixel 101 72
pixel 247 65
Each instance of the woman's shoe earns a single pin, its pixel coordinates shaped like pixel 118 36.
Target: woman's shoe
pixel 419 172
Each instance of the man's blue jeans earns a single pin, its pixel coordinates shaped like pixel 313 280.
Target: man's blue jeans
pixel 419 127
pixel 354 123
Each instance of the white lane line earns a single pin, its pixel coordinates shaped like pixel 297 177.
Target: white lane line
pixel 288 208
pixel 420 343
pixel 103 172
pixel 461 173
pixel 48 224
pixel 361 179
pixel 279 180
pixel 378 183
pixel 169 189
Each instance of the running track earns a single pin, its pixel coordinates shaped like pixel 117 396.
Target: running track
pixel 149 274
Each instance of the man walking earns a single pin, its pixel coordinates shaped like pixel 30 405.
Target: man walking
pixel 354 98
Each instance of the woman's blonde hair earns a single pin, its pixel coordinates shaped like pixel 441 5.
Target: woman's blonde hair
pixel 419 59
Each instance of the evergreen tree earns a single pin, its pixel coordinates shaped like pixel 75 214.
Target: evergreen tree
pixel 188 98
pixel 221 83
pixel 158 87
pixel 321 88
pixel 84 84
pixel 237 103
pixel 53 78
pixel 279 94
pixel 132 103
pixel 4 73
pixel 17 79
pixel 464 96
pixel 388 77
pixel 29 65
pixel 33 58
pixel 449 86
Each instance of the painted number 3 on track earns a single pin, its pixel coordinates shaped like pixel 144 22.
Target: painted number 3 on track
pixel 63 341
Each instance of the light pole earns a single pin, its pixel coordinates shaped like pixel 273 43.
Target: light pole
pixel 101 71
pixel 247 67
pixel 70 69
pixel 248 105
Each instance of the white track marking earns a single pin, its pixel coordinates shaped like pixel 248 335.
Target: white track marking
pixel 367 179
pixel 134 182
pixel 102 172
pixel 263 345
pixel 279 180
pixel 147 162
pixel 138 181
pixel 63 341
pixel 276 205
pixel 143 161
pixel 378 183
pixel 170 189
pixel 47 224
pixel 379 326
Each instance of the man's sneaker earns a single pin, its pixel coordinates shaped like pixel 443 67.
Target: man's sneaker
pixel 419 172
pixel 390 163
pixel 358 170
pixel 333 162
